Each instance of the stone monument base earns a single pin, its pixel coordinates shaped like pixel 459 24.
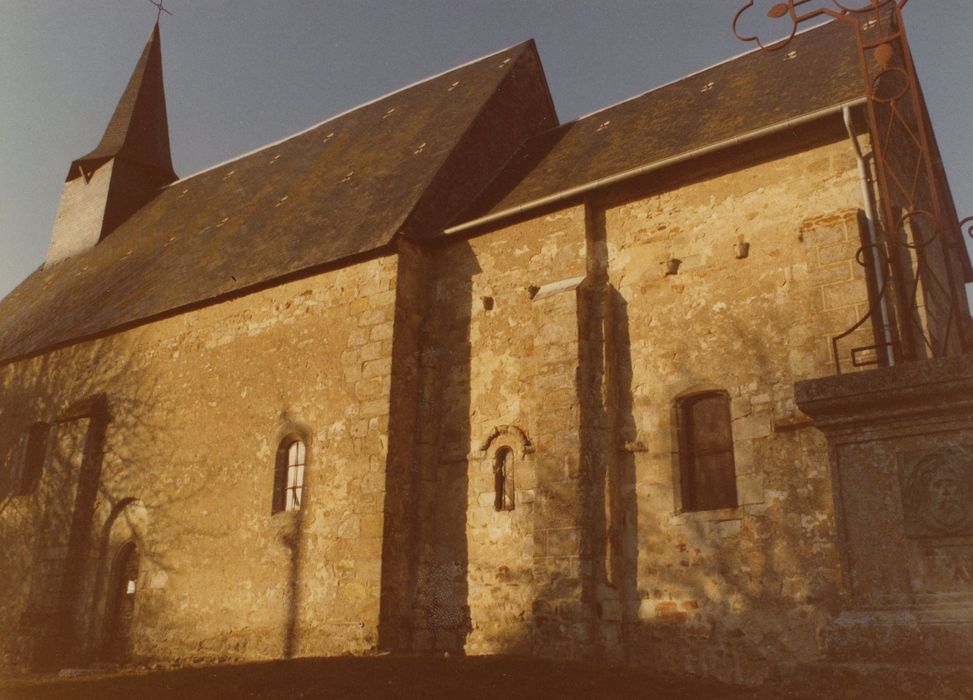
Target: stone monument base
pixel 938 633
pixel 901 450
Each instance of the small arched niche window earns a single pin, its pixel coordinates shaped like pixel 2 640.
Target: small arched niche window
pixel 707 470
pixel 503 479
pixel 289 475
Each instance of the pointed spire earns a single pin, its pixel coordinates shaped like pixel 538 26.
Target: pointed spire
pixel 130 166
pixel 139 130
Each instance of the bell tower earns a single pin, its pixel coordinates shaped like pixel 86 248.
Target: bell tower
pixel 127 168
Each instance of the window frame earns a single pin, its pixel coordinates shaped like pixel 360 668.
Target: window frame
pixel 690 470
pixel 26 467
pixel 504 498
pixel 290 470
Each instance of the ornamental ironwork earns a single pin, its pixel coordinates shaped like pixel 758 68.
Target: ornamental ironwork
pixel 916 261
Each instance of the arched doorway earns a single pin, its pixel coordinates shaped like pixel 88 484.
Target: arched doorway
pixel 121 604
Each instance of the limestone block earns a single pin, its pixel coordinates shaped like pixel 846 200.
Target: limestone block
pixel 750 489
pixel 561 542
pixel 752 427
pixel 841 294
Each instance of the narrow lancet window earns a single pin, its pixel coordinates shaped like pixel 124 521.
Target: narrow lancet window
pixel 295 475
pixel 289 475
pixel 503 479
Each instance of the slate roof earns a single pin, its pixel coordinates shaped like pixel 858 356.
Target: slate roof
pixel 819 69
pixel 138 130
pixel 340 189
pixel 407 163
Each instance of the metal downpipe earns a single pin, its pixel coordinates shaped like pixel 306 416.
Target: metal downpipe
pixel 869 207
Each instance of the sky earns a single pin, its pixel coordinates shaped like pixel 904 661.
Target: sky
pixel 240 73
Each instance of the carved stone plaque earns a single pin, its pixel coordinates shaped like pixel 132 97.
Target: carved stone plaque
pixel 937 491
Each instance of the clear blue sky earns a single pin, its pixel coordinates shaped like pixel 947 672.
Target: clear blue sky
pixel 242 73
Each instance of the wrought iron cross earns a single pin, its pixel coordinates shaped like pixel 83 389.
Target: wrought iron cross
pixel 161 8
pixel 917 219
pixel 851 11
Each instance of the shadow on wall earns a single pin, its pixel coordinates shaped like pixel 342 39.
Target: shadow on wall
pixel 293 480
pixel 442 610
pixel 619 610
pixel 728 593
pixel 293 540
pixel 716 594
pixel 96 491
pixel 585 598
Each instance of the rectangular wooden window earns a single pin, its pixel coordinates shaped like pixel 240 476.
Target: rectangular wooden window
pixel 24 466
pixel 706 452
pixel 35 454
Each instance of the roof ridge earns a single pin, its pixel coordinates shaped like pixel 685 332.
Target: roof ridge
pixel 348 111
pixel 735 57
pixel 312 209
pixel 530 48
pixel 568 158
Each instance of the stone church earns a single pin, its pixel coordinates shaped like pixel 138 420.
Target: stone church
pixel 442 374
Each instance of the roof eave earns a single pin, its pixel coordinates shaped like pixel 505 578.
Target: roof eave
pixel 653 166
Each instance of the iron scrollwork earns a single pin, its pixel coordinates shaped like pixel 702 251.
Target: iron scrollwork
pixel 917 263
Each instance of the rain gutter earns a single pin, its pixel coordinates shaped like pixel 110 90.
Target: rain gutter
pixel 657 165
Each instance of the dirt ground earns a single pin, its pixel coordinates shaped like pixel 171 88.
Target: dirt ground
pixel 383 677
pixel 472 678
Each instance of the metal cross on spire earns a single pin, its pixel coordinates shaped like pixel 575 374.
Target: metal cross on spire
pixel 161 8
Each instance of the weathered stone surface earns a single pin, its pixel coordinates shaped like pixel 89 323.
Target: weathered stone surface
pixel 197 407
pixel 493 477
pixel 902 467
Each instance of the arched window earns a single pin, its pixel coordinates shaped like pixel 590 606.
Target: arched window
pixel 289 475
pixel 708 474
pixel 121 604
pixel 503 479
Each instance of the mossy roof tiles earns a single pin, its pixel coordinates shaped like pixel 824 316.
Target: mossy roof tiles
pixel 818 69
pixel 341 189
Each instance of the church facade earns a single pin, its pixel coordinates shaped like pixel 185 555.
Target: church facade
pixel 442 374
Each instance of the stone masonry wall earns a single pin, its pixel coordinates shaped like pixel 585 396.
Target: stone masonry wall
pixel 729 592
pixel 566 327
pixel 81 214
pixel 503 340
pixel 559 338
pixel 198 404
